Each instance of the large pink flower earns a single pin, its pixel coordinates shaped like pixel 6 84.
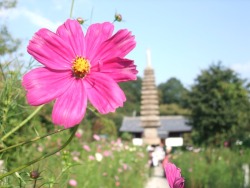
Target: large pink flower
pixel 79 68
pixel 173 175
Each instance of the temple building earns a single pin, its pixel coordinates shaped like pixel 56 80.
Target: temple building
pixel 150 126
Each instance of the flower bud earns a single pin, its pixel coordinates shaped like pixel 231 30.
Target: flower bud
pixel 118 17
pixel 34 174
pixel 80 20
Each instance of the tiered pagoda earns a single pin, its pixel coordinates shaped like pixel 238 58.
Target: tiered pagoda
pixel 150 119
pixel 151 127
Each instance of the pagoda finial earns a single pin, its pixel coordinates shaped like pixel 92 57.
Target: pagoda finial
pixel 149 65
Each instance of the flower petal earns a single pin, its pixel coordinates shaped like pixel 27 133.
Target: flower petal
pixel 179 182
pixel 118 45
pixel 51 50
pixel 119 69
pixel 96 34
pixel 172 172
pixel 44 85
pixel 70 107
pixel 103 92
pixel 71 32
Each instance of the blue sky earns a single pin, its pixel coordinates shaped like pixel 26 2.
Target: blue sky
pixel 184 36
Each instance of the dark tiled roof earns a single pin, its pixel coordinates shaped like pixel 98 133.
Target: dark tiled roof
pixel 168 124
pixel 131 124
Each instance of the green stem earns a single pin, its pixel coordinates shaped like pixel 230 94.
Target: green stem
pixel 34 186
pixel 32 140
pixel 21 124
pixel 42 157
pixel 71 10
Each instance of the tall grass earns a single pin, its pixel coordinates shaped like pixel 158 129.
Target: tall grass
pixel 213 167
pixel 107 164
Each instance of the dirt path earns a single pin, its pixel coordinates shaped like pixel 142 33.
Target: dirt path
pixel 157 180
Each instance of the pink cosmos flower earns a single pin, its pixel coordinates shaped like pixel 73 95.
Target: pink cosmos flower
pixel 78 68
pixel 106 153
pixel 72 182
pixel 91 157
pixel 117 183
pixel 96 137
pixel 173 175
pixel 125 166
pixel 86 147
pixel 78 135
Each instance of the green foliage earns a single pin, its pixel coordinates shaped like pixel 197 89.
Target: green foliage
pixel 11 96
pixel 120 163
pixel 172 91
pixel 212 167
pixel 8 44
pixel 132 91
pixel 7 4
pixel 173 109
pixel 219 105
pixel 126 136
pixel 104 126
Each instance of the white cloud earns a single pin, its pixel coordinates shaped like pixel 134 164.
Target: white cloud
pixel 39 20
pixel 243 68
pixel 33 17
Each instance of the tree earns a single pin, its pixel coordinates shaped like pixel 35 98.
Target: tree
pixel 8 44
pixel 219 104
pixel 132 91
pixel 172 91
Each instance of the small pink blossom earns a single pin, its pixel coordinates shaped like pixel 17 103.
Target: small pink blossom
pixel 119 141
pixel 72 182
pixel 91 157
pixel 117 184
pixel 173 175
pixel 86 147
pixel 78 135
pixel 78 68
pixel 75 158
pixel 40 148
pixel 106 153
pixel 125 166
pixel 96 137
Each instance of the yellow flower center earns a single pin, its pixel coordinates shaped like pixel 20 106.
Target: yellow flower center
pixel 80 67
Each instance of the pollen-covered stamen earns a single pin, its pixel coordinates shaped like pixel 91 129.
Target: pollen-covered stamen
pixel 80 67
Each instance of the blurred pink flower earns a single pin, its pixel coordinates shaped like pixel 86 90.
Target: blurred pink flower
pixel 125 166
pixel 106 153
pixel 40 148
pixel 173 175
pixel 96 137
pixel 78 135
pixel 78 68
pixel 86 147
pixel 117 184
pixel 91 157
pixel 72 182
pixel 75 158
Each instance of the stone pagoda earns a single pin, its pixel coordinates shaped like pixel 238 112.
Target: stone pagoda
pixel 150 119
